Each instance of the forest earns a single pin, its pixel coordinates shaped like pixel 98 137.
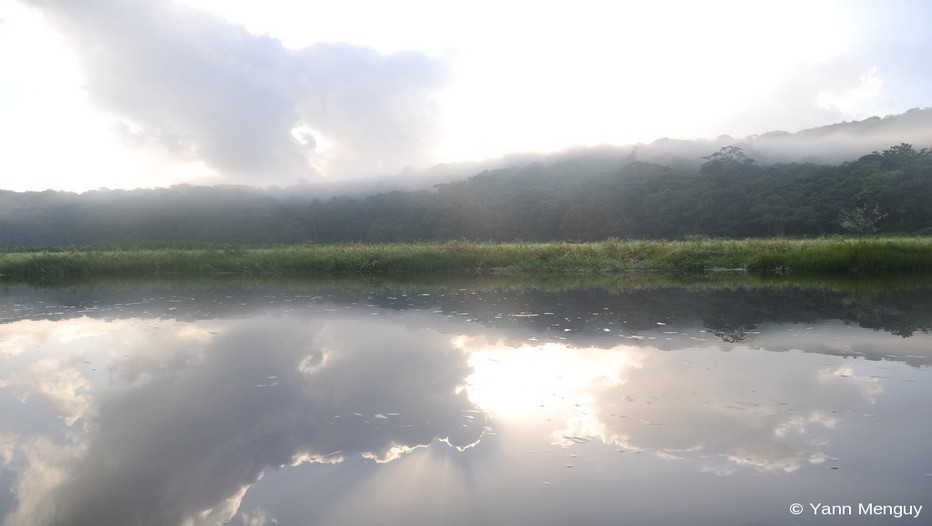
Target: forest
pixel 730 195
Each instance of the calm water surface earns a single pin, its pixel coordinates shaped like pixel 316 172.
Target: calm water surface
pixel 476 403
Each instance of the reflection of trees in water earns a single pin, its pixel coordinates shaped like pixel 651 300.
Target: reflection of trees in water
pixel 870 313
pixel 732 334
pixel 730 314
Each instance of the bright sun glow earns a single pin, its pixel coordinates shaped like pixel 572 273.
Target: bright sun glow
pixel 43 102
pixel 511 382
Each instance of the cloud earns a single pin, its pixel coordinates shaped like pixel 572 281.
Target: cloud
pixel 204 89
pixel 846 100
pixel 807 95
pixel 257 517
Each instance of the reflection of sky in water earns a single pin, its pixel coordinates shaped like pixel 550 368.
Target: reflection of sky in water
pixel 165 419
pixel 350 413
pixel 721 410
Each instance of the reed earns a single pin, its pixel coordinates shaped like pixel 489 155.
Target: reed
pixel 761 256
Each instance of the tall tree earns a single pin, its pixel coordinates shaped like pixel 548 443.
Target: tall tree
pixel 861 220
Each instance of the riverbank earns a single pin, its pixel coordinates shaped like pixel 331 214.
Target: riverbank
pixel 698 256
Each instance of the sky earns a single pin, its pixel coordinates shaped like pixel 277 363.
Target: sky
pixel 142 94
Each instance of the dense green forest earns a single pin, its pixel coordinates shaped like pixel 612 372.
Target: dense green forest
pixel 731 195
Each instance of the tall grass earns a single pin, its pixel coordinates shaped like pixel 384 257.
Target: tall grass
pixel 696 256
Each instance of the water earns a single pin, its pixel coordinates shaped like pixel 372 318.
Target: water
pixel 466 403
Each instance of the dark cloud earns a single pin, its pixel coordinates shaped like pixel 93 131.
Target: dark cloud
pixel 186 430
pixel 209 90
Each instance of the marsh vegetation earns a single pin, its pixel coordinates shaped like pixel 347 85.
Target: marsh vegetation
pixel 691 256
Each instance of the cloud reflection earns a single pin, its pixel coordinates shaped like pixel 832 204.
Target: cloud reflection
pixel 722 411
pixel 58 384
pixel 186 423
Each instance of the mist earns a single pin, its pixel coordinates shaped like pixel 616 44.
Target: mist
pixel 792 185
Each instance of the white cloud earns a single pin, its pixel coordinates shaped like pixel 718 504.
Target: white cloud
pixel 851 99
pixel 258 517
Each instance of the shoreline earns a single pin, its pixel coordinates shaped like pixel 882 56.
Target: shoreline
pixel 758 256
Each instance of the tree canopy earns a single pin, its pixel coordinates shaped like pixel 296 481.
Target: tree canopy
pixel 731 195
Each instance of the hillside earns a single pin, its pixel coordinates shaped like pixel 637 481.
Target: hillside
pixel 568 197
pixel 831 144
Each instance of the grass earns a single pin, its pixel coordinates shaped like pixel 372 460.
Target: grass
pixel 762 256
